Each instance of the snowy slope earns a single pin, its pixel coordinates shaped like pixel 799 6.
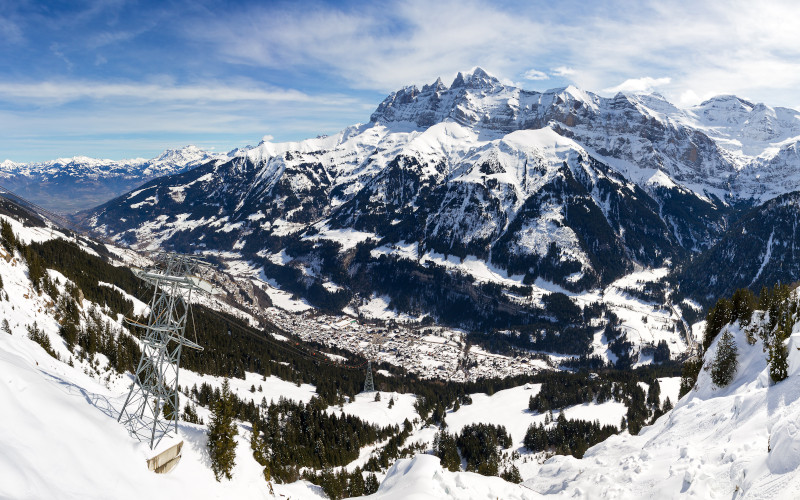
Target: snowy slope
pixel 422 478
pixel 737 442
pixel 60 439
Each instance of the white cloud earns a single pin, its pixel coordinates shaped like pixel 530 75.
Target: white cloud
pixel 564 71
pixel 644 84
pixel 10 31
pixel 383 48
pixel 689 98
pixel 534 74
pixel 365 48
pixel 62 91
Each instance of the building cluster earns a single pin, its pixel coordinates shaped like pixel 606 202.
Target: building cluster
pixel 428 351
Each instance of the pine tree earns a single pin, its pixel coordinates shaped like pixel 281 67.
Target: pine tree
pixel 654 393
pixel 512 474
pixel 667 405
pixel 221 431
pixel 778 360
pixel 723 368
pixel 444 447
pixel 8 236
pixel 391 402
pixel 377 396
pixel 371 484
pixel 257 442
pixel 6 327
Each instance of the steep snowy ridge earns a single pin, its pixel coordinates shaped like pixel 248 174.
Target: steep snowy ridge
pixel 741 441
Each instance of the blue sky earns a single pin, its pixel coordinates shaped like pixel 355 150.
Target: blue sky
pixel 122 79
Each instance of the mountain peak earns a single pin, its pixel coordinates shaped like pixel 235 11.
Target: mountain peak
pixel 475 78
pixel 726 99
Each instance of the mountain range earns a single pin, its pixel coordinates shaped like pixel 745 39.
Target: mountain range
pixel 564 187
pixel 78 183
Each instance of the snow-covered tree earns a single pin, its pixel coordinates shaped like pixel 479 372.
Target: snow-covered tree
pixel 778 360
pixel 723 368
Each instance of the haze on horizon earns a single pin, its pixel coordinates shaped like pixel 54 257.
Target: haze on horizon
pixel 122 79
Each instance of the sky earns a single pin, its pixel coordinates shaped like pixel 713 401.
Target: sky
pixel 124 79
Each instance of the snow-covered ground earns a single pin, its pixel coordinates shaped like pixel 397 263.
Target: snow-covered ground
pixel 741 441
pixel 60 439
pixel 422 478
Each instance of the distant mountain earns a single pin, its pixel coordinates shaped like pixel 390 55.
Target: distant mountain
pixel 500 187
pixel 71 184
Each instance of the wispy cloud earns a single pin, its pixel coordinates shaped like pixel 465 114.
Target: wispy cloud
pixel 698 45
pixel 377 48
pixel 10 32
pixel 644 84
pixel 564 71
pixel 64 91
pixel 535 74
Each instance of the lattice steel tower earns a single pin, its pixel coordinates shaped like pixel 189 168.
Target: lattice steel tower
pixel 368 385
pixel 155 384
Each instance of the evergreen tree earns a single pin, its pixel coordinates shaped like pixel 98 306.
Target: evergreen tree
pixel 689 373
pixel 667 405
pixel 723 368
pixel 8 236
pixel 356 484
pixel 190 414
pixel 778 360
pixel 391 402
pixel 512 474
pixel 654 393
pixel 6 327
pixel 371 484
pixel 221 431
pixel 377 396
pixel 444 447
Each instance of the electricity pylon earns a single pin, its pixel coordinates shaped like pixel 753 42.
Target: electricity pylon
pixel 368 385
pixel 152 406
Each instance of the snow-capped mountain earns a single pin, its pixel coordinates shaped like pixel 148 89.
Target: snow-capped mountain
pixel 71 184
pixel 563 189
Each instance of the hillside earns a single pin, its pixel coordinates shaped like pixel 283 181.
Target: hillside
pixel 736 441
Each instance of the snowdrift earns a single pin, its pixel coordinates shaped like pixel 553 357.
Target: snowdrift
pixel 422 478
